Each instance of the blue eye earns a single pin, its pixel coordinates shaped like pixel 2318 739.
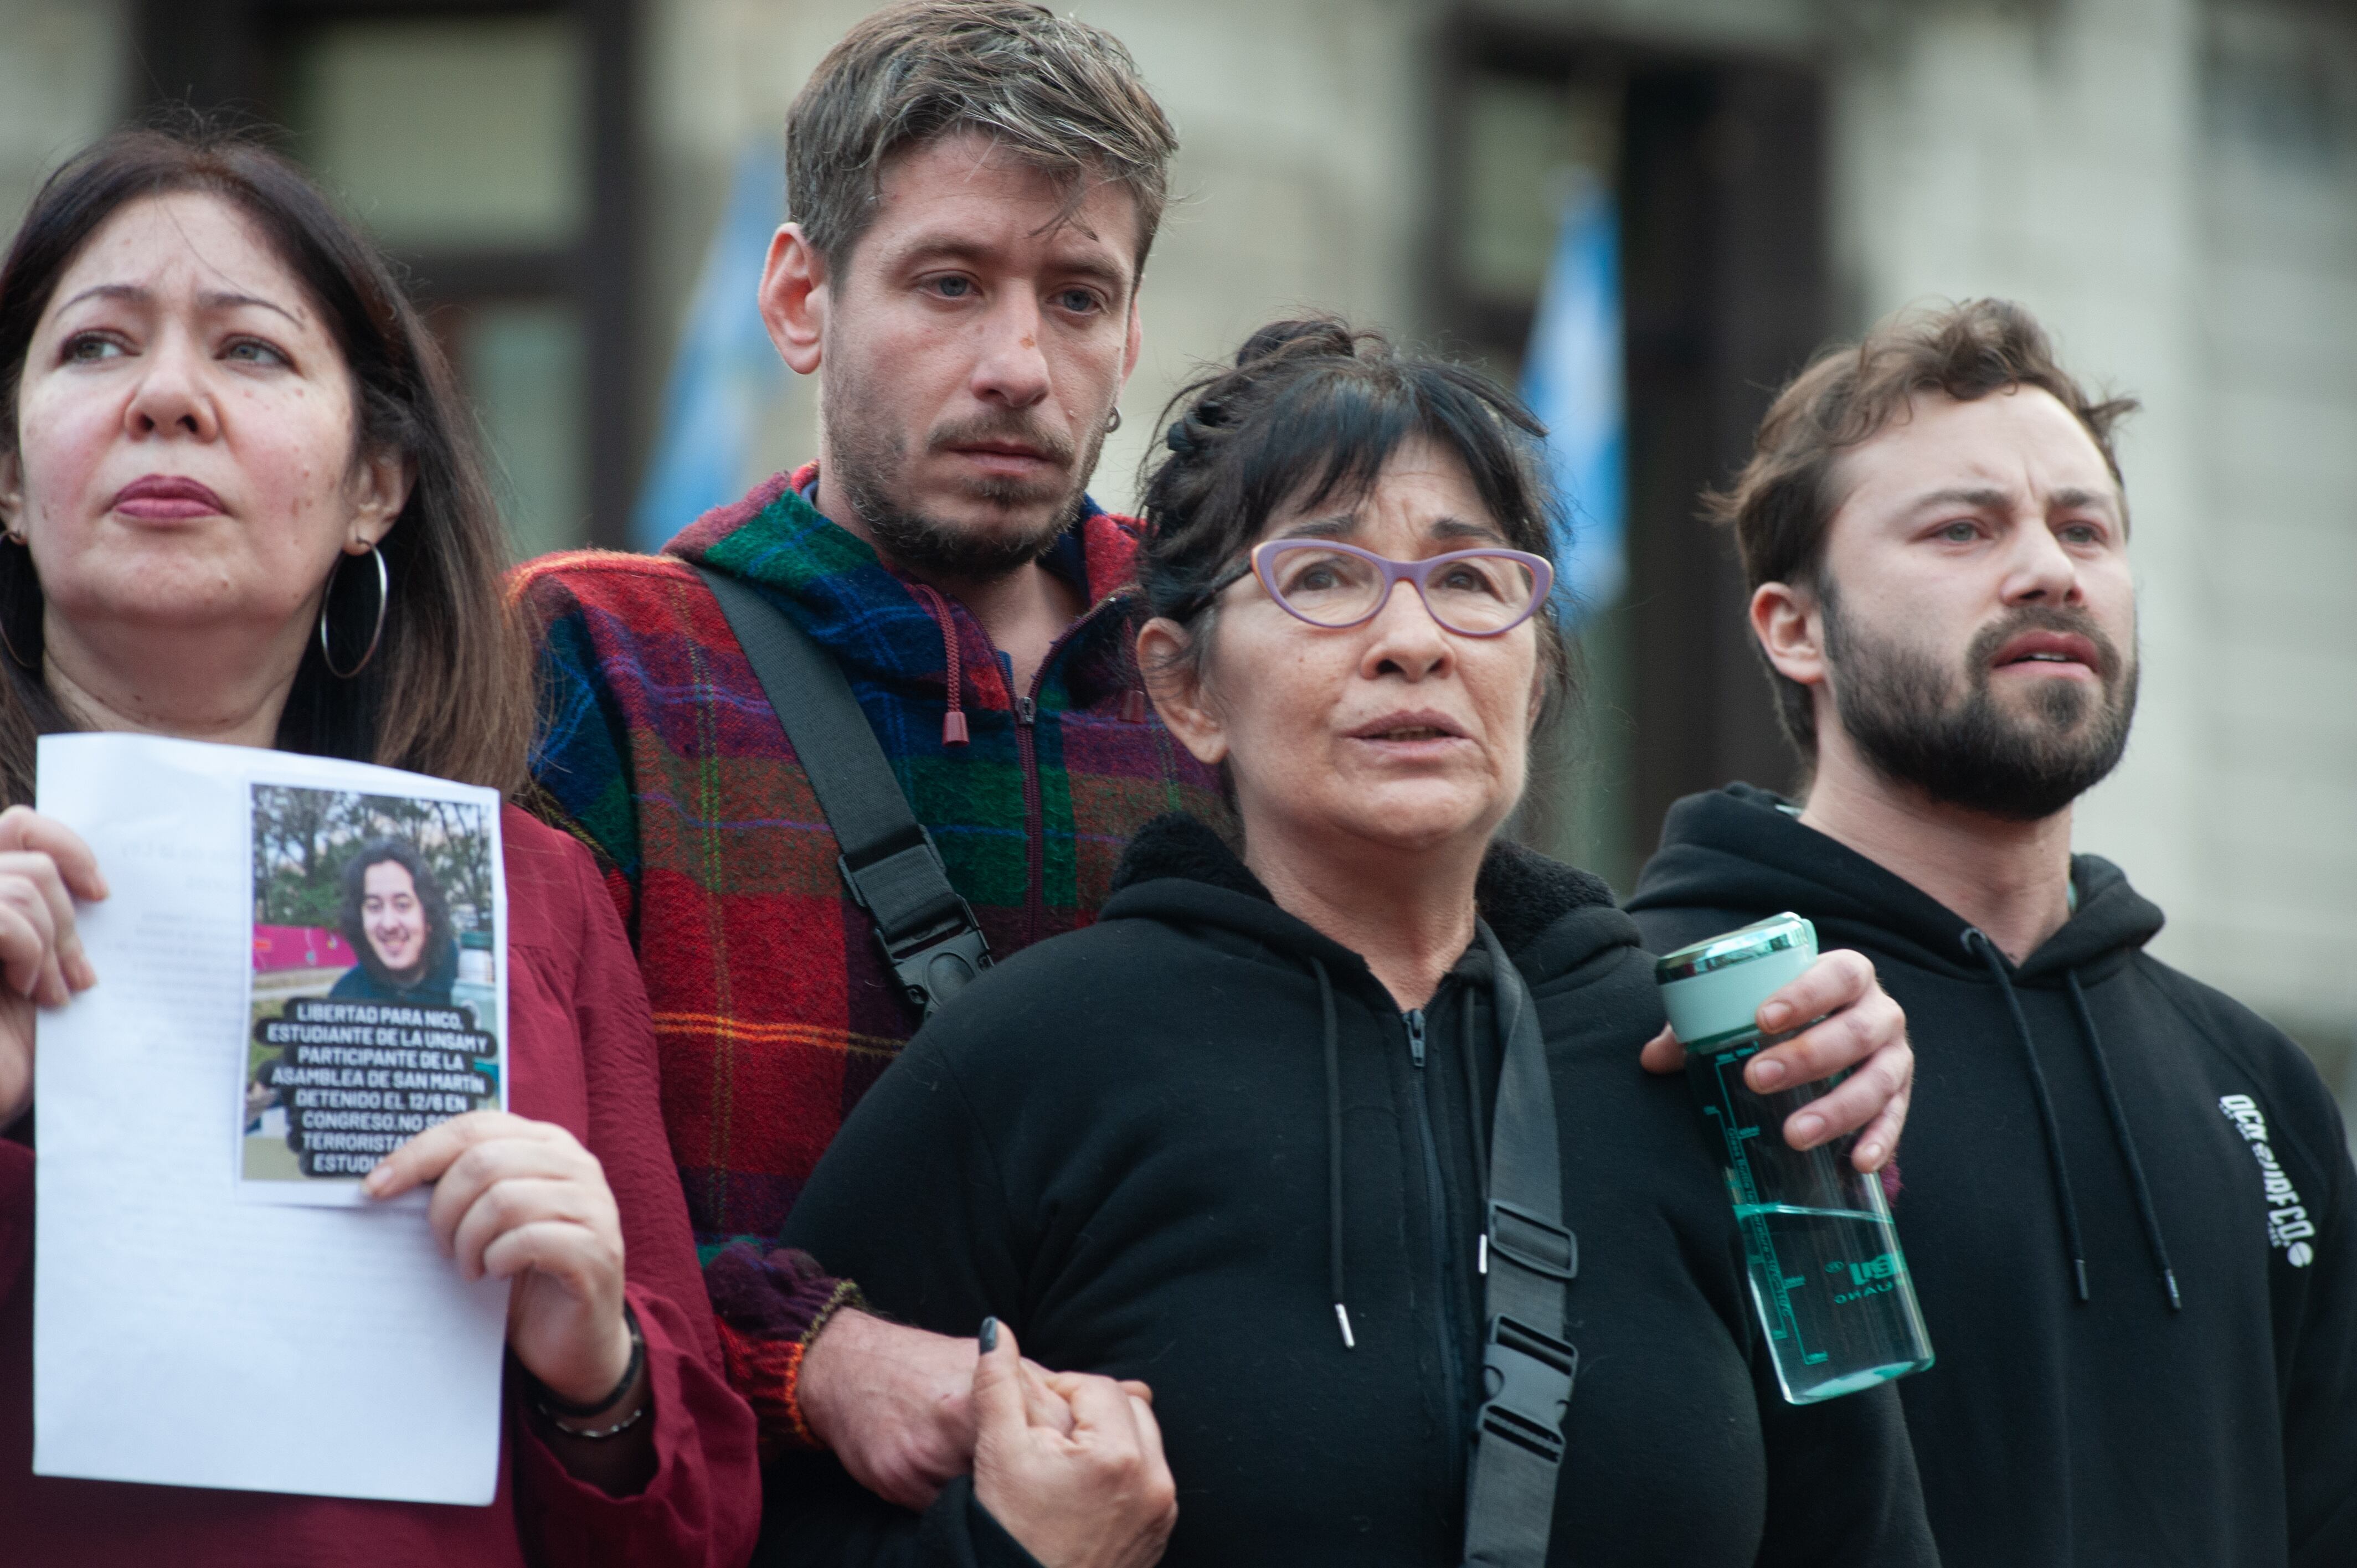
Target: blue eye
pixel 1078 301
pixel 953 287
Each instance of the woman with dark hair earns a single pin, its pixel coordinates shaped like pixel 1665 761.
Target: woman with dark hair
pixel 241 506
pixel 1240 1138
pixel 396 919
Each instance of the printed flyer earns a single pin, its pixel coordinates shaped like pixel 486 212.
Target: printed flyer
pixel 376 985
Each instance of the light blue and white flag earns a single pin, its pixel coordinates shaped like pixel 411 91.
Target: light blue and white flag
pixel 1572 379
pixel 726 372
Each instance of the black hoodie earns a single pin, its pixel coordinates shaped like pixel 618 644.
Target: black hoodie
pixel 1118 1143
pixel 2092 1114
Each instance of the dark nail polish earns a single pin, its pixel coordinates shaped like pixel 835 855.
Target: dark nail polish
pixel 988 1337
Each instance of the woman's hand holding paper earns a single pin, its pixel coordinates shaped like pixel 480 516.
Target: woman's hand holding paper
pixel 44 867
pixel 521 1200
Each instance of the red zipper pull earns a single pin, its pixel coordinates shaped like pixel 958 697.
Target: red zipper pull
pixel 953 731
pixel 1133 706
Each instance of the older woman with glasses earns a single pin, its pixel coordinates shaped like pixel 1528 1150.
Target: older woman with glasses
pixel 1331 1129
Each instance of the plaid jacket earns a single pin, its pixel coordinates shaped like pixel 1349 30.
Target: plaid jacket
pixel 773 1007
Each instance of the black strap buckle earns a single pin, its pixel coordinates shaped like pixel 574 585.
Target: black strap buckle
pixel 1527 1376
pixel 939 958
pixel 1528 1241
pixel 933 971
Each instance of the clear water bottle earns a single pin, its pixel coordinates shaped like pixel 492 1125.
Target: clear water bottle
pixel 1827 1276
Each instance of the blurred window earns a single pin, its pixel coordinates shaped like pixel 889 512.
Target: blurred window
pixel 447 133
pixel 522 360
pixel 1523 139
pixel 2280 82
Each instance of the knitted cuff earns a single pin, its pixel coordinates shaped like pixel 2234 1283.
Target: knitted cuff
pixel 770 1306
pixel 846 1293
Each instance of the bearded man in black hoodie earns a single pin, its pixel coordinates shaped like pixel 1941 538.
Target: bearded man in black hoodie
pixel 2128 1203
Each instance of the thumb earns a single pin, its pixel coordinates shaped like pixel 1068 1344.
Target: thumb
pixel 998 1383
pixel 1663 1053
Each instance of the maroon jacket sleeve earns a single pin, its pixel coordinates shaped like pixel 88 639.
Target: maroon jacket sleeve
pixel 16 1213
pixel 703 1506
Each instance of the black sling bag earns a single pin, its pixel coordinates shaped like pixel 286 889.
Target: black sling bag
pixel 1529 1259
pixel 927 932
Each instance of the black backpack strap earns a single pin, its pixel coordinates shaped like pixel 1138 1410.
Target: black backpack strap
pixel 1530 1258
pixel 927 932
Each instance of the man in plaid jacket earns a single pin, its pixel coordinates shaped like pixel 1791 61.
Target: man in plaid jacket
pixel 974 186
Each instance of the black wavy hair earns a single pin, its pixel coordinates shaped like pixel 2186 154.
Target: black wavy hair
pixel 1310 410
pixel 404 854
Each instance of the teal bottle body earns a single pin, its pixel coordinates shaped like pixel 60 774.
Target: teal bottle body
pixel 1828 1278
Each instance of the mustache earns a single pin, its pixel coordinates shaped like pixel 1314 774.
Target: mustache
pixel 2044 617
pixel 1009 426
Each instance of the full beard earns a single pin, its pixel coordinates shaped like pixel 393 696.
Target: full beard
pixel 1895 702
pixel 871 463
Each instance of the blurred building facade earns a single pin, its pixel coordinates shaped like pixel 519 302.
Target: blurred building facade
pixel 2170 184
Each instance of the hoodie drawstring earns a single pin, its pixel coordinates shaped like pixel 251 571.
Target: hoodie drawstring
pixel 1977 940
pixel 1333 1151
pixel 953 732
pixel 2120 1115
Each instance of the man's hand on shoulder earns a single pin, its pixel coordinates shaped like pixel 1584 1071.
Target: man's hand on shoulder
pixel 896 1405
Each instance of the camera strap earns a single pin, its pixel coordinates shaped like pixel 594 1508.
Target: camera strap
pixel 927 932
pixel 1529 1259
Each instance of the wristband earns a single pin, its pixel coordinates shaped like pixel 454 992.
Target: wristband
pixel 559 1409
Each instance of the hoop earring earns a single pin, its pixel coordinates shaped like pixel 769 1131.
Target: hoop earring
pixel 1114 424
pixel 384 602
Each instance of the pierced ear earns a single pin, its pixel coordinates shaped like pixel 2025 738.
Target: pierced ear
pixel 793 298
pixel 1134 343
pixel 1790 624
pixel 380 487
pixel 1177 692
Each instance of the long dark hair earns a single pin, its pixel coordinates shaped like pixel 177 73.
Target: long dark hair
pixel 448 691
pixel 430 897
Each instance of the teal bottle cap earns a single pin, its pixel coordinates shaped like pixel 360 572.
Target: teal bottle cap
pixel 1711 989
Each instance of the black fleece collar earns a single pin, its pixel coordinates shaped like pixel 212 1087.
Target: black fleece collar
pixel 1522 894
pixel 1743 847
